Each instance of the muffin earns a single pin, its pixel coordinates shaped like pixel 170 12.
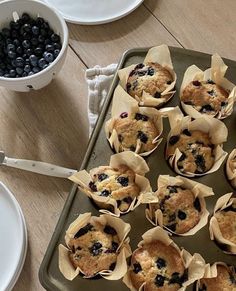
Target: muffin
pixel 205 96
pixel 231 168
pixel 225 280
pixel 159 266
pixel 95 246
pixel 151 78
pixel 197 151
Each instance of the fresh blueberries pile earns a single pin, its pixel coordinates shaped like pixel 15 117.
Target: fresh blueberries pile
pixel 27 46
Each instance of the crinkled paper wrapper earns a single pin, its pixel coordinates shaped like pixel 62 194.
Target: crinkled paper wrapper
pixel 122 102
pixel 231 168
pixel 227 246
pixel 216 129
pixel 215 73
pixel 199 190
pixel 134 162
pixel 211 271
pixel 122 228
pixel 195 264
pixel 160 55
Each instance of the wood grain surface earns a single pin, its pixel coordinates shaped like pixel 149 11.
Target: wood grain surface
pixel 51 124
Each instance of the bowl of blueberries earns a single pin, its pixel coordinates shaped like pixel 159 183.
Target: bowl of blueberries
pixel 33 44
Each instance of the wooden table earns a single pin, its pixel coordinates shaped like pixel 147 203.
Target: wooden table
pixel 51 124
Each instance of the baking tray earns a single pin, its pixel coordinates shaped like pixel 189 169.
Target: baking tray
pixel 99 153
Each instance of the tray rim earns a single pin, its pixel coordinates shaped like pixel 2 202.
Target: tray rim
pixel 43 275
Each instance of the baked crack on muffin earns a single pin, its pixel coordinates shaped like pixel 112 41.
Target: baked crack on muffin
pixel 205 96
pixel 181 210
pixel 133 129
pixel 159 266
pixel 117 183
pixel 225 281
pixel 94 248
pixel 151 78
pixel 196 148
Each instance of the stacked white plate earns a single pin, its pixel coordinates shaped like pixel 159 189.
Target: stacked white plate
pixel 13 239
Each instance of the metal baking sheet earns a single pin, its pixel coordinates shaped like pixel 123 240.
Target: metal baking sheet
pixel 99 152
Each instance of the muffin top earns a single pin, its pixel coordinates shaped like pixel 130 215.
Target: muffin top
pixel 133 129
pixel 94 248
pixel 227 222
pixel 196 148
pixel 151 78
pixel 225 281
pixel 181 210
pixel 117 183
pixel 159 266
pixel 205 96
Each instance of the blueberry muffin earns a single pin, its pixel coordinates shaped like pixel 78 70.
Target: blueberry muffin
pixel 225 281
pixel 94 248
pixel 159 266
pixel 151 78
pixel 227 222
pixel 134 128
pixel 117 183
pixel 197 151
pixel 205 96
pixel 181 210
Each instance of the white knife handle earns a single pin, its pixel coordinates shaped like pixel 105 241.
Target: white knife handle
pixel 39 167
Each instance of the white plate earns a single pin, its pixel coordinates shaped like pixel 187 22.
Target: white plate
pixel 13 239
pixel 92 12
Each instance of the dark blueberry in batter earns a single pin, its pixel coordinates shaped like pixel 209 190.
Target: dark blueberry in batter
pixel 169 82
pixel 137 268
pixel 172 217
pixel 187 132
pixel 95 250
pixel 114 246
pixel 223 104
pixel 197 204
pixel 120 138
pixel 128 86
pixel 196 83
pixel 182 158
pixel 172 189
pixel 150 71
pixel 200 162
pixel 110 230
pixel 161 263
pixel 210 82
pixel 203 288
pixel 88 227
pixel 105 193
pixel 92 186
pixel 133 72
pixel 157 95
pixel 139 116
pixel 139 66
pixel 124 181
pixel 142 136
pixel 172 226
pixel 206 107
pixel 211 92
pixel 118 203
pixel 173 139
pixel 102 177
pixel 181 215
pixel 112 266
pixel 124 115
pixel 132 148
pixel 177 279
pixel 128 200
pixel 159 280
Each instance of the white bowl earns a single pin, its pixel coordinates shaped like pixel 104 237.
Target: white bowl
pixel 57 23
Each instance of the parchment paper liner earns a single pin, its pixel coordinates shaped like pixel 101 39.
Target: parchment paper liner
pixel 211 272
pixel 122 102
pixel 134 162
pixel 199 190
pixel 231 169
pixel 161 55
pixel 216 129
pixel 195 264
pixel 215 73
pixel 122 228
pixel 227 246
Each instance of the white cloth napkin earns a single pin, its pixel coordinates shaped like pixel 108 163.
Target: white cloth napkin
pixel 99 80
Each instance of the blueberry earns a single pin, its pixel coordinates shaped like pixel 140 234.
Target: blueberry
pixel 212 92
pixel 14 33
pixel 88 227
pixel 39 21
pixel 139 66
pixel 47 41
pixel 57 46
pixel 19 62
pixel 172 217
pixel 172 226
pixel 124 181
pixel 173 139
pixel 24 74
pixel 159 280
pixel 114 246
pixel 16 42
pixel 150 71
pixel 49 57
pixel 29 52
pixel 45 66
pixel 11 47
pixel 187 132
pixel 6 32
pixel 56 53
pixel 109 230
pixel 41 39
pixel 182 158
pixel 38 51
pixel 12 73
pixel 197 204
pixel 25 17
pixel 34 41
pixel 124 115
pixel 157 95
pixel 223 104
pixel 27 68
pixel 105 193
pixel 55 37
pixel 132 148
pixel 137 268
pixel 35 30
pixel 36 69
pixel 112 266
pixel 41 62
pixel 26 44
pixel 169 82
pixel 96 249
pixel 43 32
pixel 33 60
pixel 172 189
pixel 19 50
pixel 102 177
pixel 19 70
pixel 92 186
pixel 142 136
pixel 27 61
pixel 181 215
pixel 30 73
pixel 206 108
pixel 11 54
pixel 200 162
pixel 196 83
pixel 45 26
pixel 26 36
pixel 128 200
pixel 27 27
pixel 141 73
pixel 161 263
pixel 139 116
pixel 210 82
pixel 176 279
